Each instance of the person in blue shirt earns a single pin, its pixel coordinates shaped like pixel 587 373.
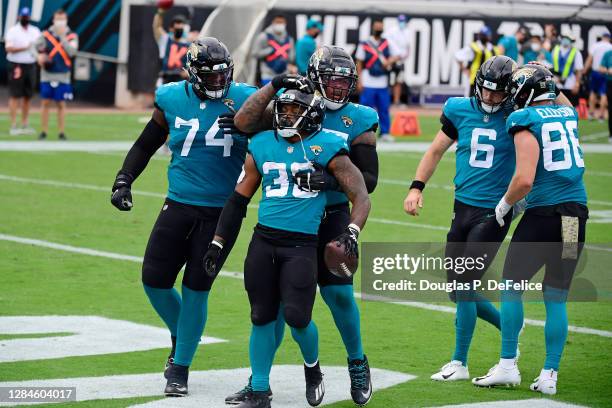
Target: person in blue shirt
pixel 510 45
pixel 203 171
pixel 333 73
pixel 281 263
pixel 536 52
pixel 549 172
pixel 484 167
pixel 307 45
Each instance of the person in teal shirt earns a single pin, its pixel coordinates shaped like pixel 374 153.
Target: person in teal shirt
pixel 508 45
pixel 306 46
pixel 535 52
pixel 605 67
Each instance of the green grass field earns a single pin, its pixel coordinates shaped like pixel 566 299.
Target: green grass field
pixel 42 281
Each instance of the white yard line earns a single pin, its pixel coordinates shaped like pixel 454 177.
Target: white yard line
pixel 237 275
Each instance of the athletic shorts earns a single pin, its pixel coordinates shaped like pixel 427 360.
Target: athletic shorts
pixel 279 268
pixel 474 232
pixel 336 219
pixel 21 79
pixel 56 91
pixel 538 241
pixel 598 83
pixel 180 237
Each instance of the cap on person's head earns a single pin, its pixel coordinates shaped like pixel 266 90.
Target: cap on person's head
pixel 179 18
pixel 402 18
pixel 312 23
pixel 485 30
pixel 24 12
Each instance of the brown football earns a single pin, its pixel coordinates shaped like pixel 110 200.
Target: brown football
pixel 337 262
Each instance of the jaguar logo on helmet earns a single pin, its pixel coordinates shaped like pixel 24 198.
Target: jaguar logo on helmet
pixel 193 51
pixel 316 149
pixel 348 122
pixel 523 74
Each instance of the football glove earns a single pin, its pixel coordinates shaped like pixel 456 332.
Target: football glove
pixel 121 196
pixel 315 181
pixel 501 210
pixel 226 123
pixel 292 81
pixel 349 239
pixel 211 258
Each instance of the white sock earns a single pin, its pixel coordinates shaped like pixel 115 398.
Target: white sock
pixel 311 365
pixel 507 363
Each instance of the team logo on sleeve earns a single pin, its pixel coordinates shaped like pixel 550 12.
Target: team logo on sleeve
pixel 316 149
pixel 347 121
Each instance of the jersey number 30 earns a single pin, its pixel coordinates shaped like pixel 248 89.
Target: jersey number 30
pixel 194 126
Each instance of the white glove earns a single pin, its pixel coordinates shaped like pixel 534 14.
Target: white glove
pixel 501 210
pixel 518 208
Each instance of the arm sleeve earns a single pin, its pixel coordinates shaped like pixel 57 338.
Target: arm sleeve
pixel 448 127
pixel 71 46
pixel 152 138
pixel 366 159
pixel 231 217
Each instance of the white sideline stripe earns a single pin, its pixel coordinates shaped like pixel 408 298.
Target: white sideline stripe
pixel 237 275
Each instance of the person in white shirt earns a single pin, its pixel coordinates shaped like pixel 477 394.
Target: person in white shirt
pixel 19 41
pixel 598 80
pixel 398 38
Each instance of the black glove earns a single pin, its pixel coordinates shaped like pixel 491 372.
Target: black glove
pixel 211 259
pixel 349 239
pixel 122 192
pixel 292 81
pixel 315 181
pixel 226 123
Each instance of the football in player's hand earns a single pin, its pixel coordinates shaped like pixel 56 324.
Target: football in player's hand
pixel 165 4
pixel 338 261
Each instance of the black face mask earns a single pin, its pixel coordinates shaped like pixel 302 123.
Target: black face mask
pixel 377 33
pixel 24 21
pixel 178 33
pixel 315 35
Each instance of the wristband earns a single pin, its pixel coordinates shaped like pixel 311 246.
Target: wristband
pixel 354 227
pixel 217 243
pixel 419 185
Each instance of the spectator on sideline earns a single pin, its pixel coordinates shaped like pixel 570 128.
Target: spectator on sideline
pixel 56 48
pixel 374 61
pixel 21 68
pixel 398 38
pixel 567 67
pixel 474 55
pixel 606 68
pixel 536 52
pixel 551 37
pixel 307 45
pixel 275 50
pixel 598 79
pixel 173 45
pixel 510 45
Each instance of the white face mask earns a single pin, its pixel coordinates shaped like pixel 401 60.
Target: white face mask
pixel 279 28
pixel 60 23
pixel 536 47
pixel 333 105
pixel 214 94
pixel 488 108
pixel 287 133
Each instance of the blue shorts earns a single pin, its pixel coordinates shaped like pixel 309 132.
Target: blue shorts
pixel 598 83
pixel 56 91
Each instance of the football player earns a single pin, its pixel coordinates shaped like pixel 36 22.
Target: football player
pixel 484 167
pixel 333 72
pixel 203 171
pixel 550 168
pixel 281 263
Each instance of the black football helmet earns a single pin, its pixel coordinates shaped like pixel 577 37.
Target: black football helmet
pixel 295 111
pixel 334 74
pixel 494 74
pixel 210 67
pixel 532 83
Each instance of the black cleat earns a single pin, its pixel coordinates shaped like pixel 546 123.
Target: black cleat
pixel 361 383
pixel 170 359
pixel 42 136
pixel 241 395
pixel 255 399
pixel 62 136
pixel 177 381
pixel 315 390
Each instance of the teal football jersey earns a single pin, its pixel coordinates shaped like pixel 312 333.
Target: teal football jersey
pixel 485 157
pixel 205 163
pixel 348 122
pixel 560 168
pixel 283 205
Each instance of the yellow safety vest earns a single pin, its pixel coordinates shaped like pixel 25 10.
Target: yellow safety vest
pixel 569 62
pixel 478 59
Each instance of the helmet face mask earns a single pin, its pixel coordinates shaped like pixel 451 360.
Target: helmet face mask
pixel 210 68
pixel 333 72
pixel 296 112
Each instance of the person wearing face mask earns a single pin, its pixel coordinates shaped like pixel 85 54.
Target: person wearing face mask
pixel 306 46
pixel 375 60
pixel 21 68
pixel 274 49
pixel 398 38
pixel 567 67
pixel 474 55
pixel 536 52
pixel 56 48
pixel 173 45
